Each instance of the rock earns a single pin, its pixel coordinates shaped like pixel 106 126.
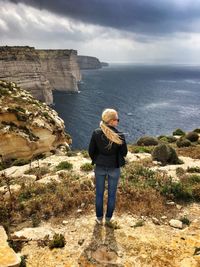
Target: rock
pixel 192 136
pixel 170 203
pixel 40 71
pixel 176 224
pixel 7 255
pixel 81 241
pixel 64 222
pixel 165 154
pixel 155 221
pixel 36 233
pixel 179 207
pixel 27 130
pixel 102 255
pixel 79 210
pixel 87 62
pixel 147 141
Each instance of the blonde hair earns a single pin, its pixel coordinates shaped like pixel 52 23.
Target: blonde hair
pixel 108 115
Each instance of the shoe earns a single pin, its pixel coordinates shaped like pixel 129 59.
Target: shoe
pixel 112 224
pixel 99 221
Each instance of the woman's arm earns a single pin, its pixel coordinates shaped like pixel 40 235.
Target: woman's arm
pixel 92 147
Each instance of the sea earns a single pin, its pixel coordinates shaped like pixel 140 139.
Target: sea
pixel 150 99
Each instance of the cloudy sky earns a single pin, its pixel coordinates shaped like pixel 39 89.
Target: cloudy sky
pixel 141 31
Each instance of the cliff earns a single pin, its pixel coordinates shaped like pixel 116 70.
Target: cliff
pixel 87 62
pixel 40 71
pixel 27 127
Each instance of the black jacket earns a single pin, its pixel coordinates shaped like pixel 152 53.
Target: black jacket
pixel 103 156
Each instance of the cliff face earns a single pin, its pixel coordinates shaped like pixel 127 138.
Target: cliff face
pixel 86 62
pixel 27 126
pixel 40 71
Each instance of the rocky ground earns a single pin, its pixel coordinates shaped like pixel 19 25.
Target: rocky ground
pixel 88 244
pixel 140 240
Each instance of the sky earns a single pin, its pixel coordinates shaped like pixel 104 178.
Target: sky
pixel 138 31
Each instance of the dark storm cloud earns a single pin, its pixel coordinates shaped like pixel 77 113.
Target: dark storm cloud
pixel 138 16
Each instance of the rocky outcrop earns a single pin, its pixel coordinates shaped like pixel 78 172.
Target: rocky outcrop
pixel 8 258
pixel 86 62
pixel 104 64
pixel 40 71
pixel 27 127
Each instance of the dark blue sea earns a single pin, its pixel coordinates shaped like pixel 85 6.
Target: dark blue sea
pixel 151 100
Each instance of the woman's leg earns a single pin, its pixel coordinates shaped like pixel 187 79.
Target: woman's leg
pixel 100 175
pixel 113 178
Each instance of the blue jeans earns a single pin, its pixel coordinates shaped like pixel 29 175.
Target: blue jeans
pixel 113 177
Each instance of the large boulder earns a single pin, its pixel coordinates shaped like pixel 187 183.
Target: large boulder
pixel 165 154
pixel 147 141
pixel 28 127
pixel 192 136
pixel 7 255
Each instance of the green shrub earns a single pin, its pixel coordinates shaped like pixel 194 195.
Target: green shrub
pixel 179 132
pixel 177 189
pixel 20 162
pixel 196 130
pixel 71 153
pixel 185 220
pixel 141 149
pixel 38 171
pixel 167 139
pixel 180 171
pixel 139 223
pixel 183 142
pixel 57 242
pixel 193 179
pixel 85 153
pixel 64 165
pixel 23 261
pixel 193 169
pixel 87 167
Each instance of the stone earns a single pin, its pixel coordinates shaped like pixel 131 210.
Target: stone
pixel 176 224
pixel 87 62
pixel 27 130
pixel 170 203
pixel 40 71
pixel 36 233
pixel 8 258
pixel 155 221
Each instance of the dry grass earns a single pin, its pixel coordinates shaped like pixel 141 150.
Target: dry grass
pixel 192 152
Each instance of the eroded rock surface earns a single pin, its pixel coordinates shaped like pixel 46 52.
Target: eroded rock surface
pixel 27 127
pixel 8 258
pixel 40 71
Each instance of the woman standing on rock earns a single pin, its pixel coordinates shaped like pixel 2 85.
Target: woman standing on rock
pixel 107 150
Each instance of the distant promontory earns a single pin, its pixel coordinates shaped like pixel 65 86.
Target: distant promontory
pixel 88 62
pixel 40 71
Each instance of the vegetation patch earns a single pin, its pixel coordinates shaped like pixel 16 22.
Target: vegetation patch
pixel 178 132
pixel 64 165
pixel 86 167
pixel 192 152
pixel 193 169
pixel 140 149
pixel 57 242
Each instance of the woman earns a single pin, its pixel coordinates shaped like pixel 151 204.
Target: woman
pixel 107 150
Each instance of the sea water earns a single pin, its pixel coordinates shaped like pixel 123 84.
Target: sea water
pixel 151 100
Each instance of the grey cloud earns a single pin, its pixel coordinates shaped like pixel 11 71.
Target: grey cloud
pixel 148 17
